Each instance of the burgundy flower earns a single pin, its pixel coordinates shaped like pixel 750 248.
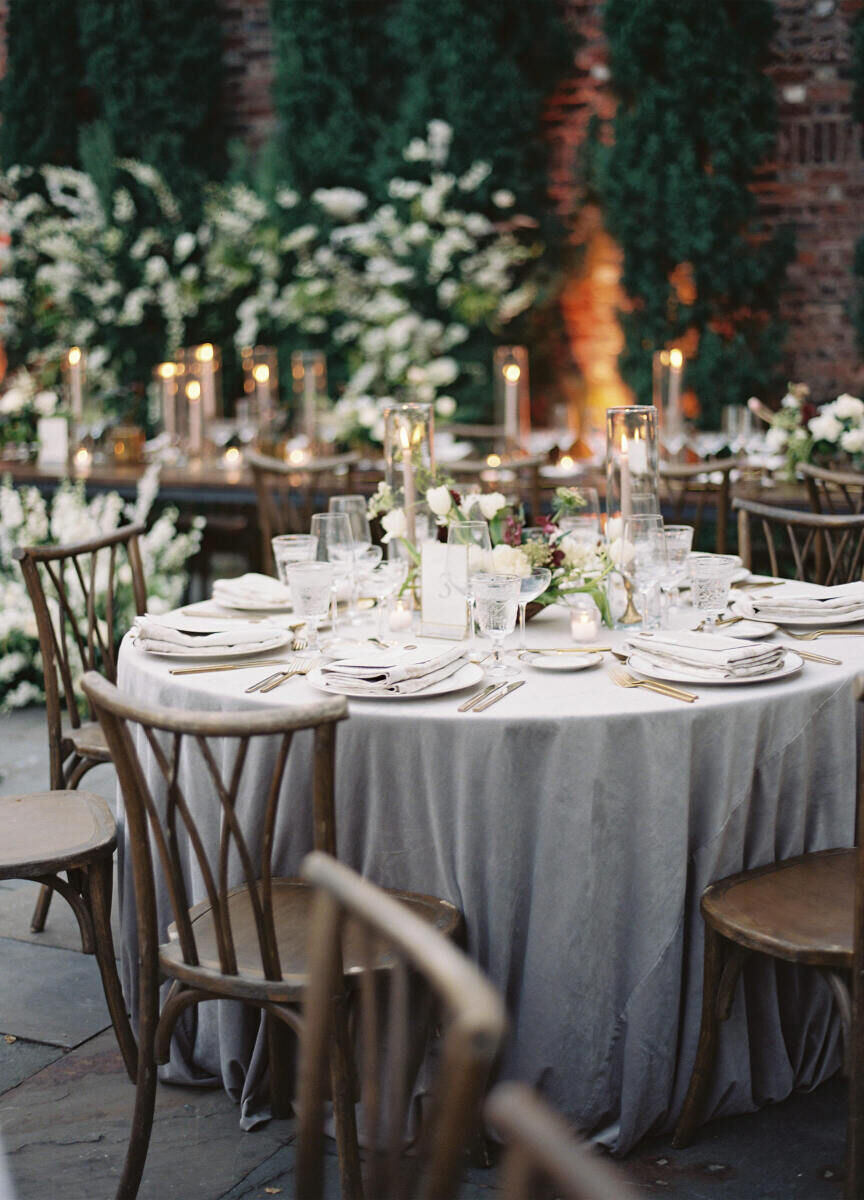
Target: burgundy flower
pixel 512 531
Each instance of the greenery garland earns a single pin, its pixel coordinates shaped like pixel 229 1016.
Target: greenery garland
pixel 696 117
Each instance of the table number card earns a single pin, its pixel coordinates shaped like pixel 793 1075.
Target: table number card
pixel 53 435
pixel 444 612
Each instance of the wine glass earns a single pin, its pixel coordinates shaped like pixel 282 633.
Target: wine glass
pixel 335 546
pixel 496 599
pixel 471 537
pixel 710 579
pixel 381 581
pixel 531 586
pixel 290 548
pixel 354 507
pixel 311 584
pixel 679 542
pixel 645 541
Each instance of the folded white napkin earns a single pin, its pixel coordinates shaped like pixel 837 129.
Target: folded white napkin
pixel 843 600
pixel 151 634
pixel 251 589
pixel 389 672
pixel 707 654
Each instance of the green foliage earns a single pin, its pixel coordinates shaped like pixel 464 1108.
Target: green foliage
pixel 695 119
pixel 40 92
pixel 153 69
pixel 858 113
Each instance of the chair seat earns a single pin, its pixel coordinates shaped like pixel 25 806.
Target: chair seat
pixel 43 832
pixel 292 914
pixel 89 741
pixel 801 910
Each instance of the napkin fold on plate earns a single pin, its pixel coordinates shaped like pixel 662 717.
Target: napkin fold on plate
pixel 843 600
pixel 151 634
pixel 399 673
pixel 707 654
pixel 252 590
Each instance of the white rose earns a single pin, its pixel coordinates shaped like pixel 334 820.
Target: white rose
pixel 776 439
pixel 503 198
pixel 12 401
pixel 790 401
pixel 491 504
pixel 848 408
pixel 621 552
pixel 509 560
pixel 442 371
pixel 439 500
pixel 825 428
pixel 395 524
pixel 445 406
pixel 852 441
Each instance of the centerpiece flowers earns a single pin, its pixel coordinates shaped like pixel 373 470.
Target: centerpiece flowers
pixel 832 434
pixel 577 567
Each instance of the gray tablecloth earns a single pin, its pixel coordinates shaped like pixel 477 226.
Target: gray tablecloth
pixel 576 824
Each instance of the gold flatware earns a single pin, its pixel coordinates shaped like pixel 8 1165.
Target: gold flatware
pixel 569 650
pixel 812 634
pixel 811 657
pixel 511 687
pixel 756 583
pixel 302 667
pixel 625 679
pixel 234 666
pixel 478 696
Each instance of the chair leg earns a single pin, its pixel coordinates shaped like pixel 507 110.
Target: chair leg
pixel 40 912
pixel 342 1082
pixel 702 1068
pixel 99 884
pixel 145 1084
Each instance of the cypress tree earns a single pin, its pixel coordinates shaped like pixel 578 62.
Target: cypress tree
pixel 40 94
pixel 696 118
pixel 153 69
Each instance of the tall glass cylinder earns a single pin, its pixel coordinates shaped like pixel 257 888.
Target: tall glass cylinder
pixel 667 373
pixel 631 461
pixel 512 395
pixel 260 385
pixel 165 376
pixel 309 385
pixel 409 431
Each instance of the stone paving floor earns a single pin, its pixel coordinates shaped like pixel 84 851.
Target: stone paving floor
pixel 65 1102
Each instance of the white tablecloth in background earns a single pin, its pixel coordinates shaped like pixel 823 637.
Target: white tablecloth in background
pixel 575 824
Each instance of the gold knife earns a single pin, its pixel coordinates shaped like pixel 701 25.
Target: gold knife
pixel 478 696
pixel 511 687
pixel 234 666
pixel 568 650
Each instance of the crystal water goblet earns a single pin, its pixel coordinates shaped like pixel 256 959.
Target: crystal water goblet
pixel 679 542
pixel 290 548
pixel 645 541
pixel 710 579
pixel 496 599
pixel 311 585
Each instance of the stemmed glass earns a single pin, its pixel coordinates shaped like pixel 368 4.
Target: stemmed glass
pixel 335 546
pixel 311 584
pixel 354 508
pixel 472 536
pixel 290 548
pixel 679 542
pixel 381 581
pixel 710 579
pixel 496 598
pixel 645 541
pixel 531 586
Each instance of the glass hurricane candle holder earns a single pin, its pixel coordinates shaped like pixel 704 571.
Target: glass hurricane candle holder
pixel 512 396
pixel 309 388
pixel 409 431
pixel 165 377
pixel 667 376
pixel 632 485
pixel 260 386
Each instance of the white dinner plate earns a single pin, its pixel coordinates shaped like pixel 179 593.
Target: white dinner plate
pixel 279 638
pixel 465 677
pixel 561 662
pixel 261 607
pixel 854 618
pixel 791 664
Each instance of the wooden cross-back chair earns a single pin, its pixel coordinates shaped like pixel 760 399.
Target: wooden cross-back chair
pixel 833 491
pixel 287 493
pixel 247 938
pixel 543 1157
pixel 428 978
pixel 688 492
pixel 525 482
pixel 811 547
pixel 807 910
pixel 74 593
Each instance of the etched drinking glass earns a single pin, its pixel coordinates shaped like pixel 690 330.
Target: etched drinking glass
pixel 496 599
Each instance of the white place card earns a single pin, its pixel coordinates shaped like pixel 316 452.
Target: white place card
pixel 53 435
pixel 444 613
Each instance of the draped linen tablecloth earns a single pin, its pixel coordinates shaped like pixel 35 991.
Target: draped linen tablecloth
pixel 575 824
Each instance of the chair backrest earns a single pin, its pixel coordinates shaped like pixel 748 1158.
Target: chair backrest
pixel 812 547
pixel 211 842
pixel 543 1156
pixel 75 591
pixel 526 470
pixel 426 974
pixel 287 493
pixel 833 491
pixel 688 489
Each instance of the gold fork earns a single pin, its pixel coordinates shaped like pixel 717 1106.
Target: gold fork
pixel 302 666
pixel 625 679
pixel 812 634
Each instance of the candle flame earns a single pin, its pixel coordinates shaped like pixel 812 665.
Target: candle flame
pixel 261 373
pixel 405 437
pixel 74 356
pixel 676 358
pixel 493 460
pixel 204 352
pixel 167 370
pixel 82 457
pixel 565 461
pixel 193 389
pixel 232 456
pixel 298 456
pixel 511 372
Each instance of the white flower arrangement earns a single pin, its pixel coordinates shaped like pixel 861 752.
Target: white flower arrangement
pixel 804 433
pixel 26 519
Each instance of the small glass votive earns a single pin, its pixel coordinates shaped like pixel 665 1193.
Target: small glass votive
pixel 585 618
pixel 402 614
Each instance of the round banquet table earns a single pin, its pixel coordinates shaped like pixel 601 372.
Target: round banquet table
pixel 575 824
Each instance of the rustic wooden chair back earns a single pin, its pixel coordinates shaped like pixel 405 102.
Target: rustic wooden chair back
pixel 426 977
pixel 73 590
pixel 543 1157
pixel 526 484
pixel 818 548
pixel 287 493
pixel 688 494
pixel 833 491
